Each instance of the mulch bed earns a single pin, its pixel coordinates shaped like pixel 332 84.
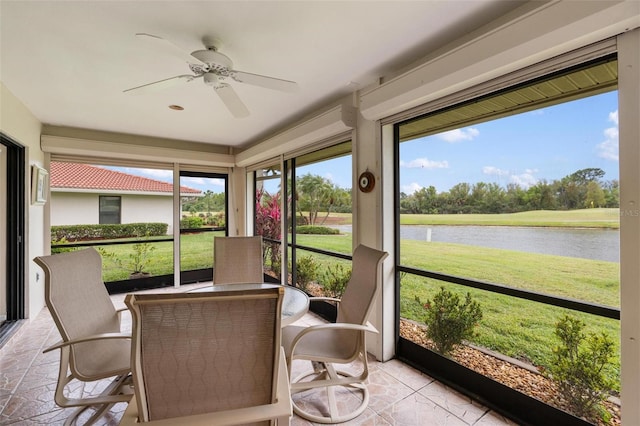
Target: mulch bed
pixel 518 375
pixel 515 374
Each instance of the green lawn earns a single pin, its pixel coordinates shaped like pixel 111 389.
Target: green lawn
pixel 197 253
pixel 514 327
pixel 588 218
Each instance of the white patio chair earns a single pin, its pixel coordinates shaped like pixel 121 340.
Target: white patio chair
pixel 211 358
pixel 237 260
pixel 92 347
pixel 337 343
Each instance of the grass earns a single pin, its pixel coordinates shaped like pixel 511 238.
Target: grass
pixel 517 328
pixel 585 218
pixel 196 253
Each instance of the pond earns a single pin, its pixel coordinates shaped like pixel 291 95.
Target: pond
pixel 587 243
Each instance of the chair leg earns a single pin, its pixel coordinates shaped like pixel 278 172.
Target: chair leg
pixel 117 391
pixel 326 376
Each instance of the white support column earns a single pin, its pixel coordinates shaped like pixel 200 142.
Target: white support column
pixel 177 215
pixel 368 229
pixel 629 138
pixel 236 223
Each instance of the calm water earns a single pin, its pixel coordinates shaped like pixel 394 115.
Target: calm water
pixel 597 244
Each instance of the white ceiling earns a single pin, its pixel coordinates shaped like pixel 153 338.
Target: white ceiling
pixel 69 61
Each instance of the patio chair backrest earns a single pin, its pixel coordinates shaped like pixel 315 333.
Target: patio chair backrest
pixel 80 306
pixel 237 260
pixel 357 301
pixel 196 353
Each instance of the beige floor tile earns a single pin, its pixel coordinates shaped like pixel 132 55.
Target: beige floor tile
pixel 456 403
pixel 416 410
pixel 399 394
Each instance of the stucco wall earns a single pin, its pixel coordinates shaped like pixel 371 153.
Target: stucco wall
pixel 75 208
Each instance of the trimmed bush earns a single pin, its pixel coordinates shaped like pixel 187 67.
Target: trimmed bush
pixel 317 230
pixel 72 233
pixel 579 366
pixel 191 222
pixel 448 321
pixel 306 271
pixel 335 281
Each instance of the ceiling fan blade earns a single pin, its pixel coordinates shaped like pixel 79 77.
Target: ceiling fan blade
pixel 168 46
pixel 159 85
pixel 264 81
pixel 231 100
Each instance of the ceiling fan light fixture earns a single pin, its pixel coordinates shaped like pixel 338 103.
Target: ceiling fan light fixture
pixel 211 79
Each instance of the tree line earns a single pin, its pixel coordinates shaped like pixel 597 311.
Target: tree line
pixel 584 188
pixel 317 197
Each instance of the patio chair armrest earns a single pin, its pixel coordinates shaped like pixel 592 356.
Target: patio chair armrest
pixel 93 337
pixel 368 327
pixel 323 299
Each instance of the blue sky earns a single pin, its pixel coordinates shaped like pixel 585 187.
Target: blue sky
pixel 545 144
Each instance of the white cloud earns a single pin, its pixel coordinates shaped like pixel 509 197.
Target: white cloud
pixel 490 170
pixel 166 175
pixel 425 163
pixel 203 182
pixel 411 188
pixel 525 179
pixel 608 149
pixel 459 135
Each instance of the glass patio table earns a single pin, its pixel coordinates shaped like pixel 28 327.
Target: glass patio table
pixel 295 302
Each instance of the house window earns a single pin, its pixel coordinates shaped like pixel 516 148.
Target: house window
pixel 109 209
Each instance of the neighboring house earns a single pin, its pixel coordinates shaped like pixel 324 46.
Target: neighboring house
pixel 82 194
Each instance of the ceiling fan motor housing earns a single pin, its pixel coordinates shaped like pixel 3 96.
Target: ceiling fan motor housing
pixel 217 61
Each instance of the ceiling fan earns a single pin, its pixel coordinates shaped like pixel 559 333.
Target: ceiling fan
pixel 215 69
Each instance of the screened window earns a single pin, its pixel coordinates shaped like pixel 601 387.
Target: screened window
pixel 319 219
pixel 512 199
pixel 317 211
pixel 109 209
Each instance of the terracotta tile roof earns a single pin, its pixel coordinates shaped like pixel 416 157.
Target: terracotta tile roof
pixel 84 176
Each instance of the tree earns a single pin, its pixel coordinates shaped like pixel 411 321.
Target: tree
pixel 611 191
pixel 458 198
pixel 594 196
pixel 314 194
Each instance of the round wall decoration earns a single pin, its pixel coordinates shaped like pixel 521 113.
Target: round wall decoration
pixel 366 181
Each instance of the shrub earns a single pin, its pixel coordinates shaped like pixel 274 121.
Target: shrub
pixel 335 281
pixel 136 262
pixel 578 371
pixel 55 250
pixel 449 321
pixel 191 222
pixel 306 271
pixel 106 231
pixel 317 230
pixel 217 220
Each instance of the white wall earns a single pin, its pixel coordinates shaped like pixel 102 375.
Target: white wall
pixel 17 122
pixel 80 208
pixel 73 208
pixel 147 208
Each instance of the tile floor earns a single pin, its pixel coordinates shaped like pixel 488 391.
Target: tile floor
pixel 399 395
